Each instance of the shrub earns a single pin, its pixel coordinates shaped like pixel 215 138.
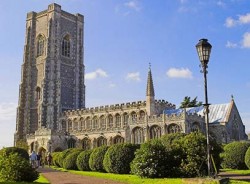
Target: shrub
pixel 70 161
pixel 118 157
pixel 82 161
pixel 151 160
pixel 55 156
pixel 20 151
pixel 96 159
pixel 14 167
pixel 247 158
pixel 233 156
pixel 64 154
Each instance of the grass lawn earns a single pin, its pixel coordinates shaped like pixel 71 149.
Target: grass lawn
pixel 243 172
pixel 40 180
pixel 132 179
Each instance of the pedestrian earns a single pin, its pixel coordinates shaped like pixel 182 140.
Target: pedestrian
pixel 49 159
pixel 38 159
pixel 33 158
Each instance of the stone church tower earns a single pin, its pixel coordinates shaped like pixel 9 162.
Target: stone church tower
pixel 52 71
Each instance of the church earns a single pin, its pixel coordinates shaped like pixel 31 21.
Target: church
pixel 51 112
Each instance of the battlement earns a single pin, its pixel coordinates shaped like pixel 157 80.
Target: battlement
pixel 164 103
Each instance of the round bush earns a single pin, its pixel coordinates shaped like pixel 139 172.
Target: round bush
pixel 247 158
pixel 118 157
pixel 14 167
pixel 151 160
pixel 82 161
pixel 233 156
pixel 20 151
pixel 64 154
pixel 70 161
pixel 96 159
pixel 55 156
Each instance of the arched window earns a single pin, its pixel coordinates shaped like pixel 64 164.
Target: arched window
pixel 38 93
pixel 173 128
pixel 110 121
pixel 88 123
pixel 69 125
pixel 125 119
pixel 224 137
pixel 82 124
pixel 75 125
pixel 134 116
pixel 66 46
pixel 63 126
pixel 71 143
pixel 95 123
pixel 40 45
pixel 102 122
pixel 86 143
pixel 118 120
pixel 118 139
pixel 155 132
pixel 195 127
pixel 101 141
pixel 138 135
pixel 142 115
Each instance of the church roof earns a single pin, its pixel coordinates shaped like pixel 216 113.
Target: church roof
pixel 217 112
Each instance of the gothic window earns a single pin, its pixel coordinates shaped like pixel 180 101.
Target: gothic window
pixel 40 45
pixel 66 46
pixel 69 126
pixel 155 132
pixel 142 115
pixel 95 123
pixel 101 141
pixel 118 120
pixel 38 93
pixel 134 116
pixel 102 122
pixel 118 139
pixel 195 127
pixel 75 125
pixel 110 121
pixel 235 129
pixel 86 144
pixel 125 119
pixel 82 124
pixel 224 137
pixel 63 126
pixel 88 123
pixel 173 128
pixel 71 143
pixel 138 135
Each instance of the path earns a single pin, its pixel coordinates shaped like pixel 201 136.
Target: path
pixel 234 176
pixel 59 177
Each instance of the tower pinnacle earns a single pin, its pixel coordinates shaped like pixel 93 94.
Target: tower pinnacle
pixel 150 86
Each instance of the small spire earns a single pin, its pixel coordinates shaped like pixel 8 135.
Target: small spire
pixel 150 86
pixel 232 97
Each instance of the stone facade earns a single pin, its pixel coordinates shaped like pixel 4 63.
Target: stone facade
pixel 51 113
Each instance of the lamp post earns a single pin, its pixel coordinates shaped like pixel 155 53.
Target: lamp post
pixel 204 49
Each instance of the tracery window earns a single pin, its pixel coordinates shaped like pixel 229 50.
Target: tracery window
pixel 66 46
pixel 95 123
pixel 88 123
pixel 134 116
pixel 118 139
pixel 155 132
pixel 125 119
pixel 173 128
pixel 101 141
pixel 82 124
pixel 71 143
pixel 86 143
pixel 110 121
pixel 40 45
pixel 69 125
pixel 138 135
pixel 195 127
pixel 142 115
pixel 103 122
pixel 118 120
pixel 75 125
pixel 38 93
pixel 63 123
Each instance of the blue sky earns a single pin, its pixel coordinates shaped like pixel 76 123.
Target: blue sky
pixel 123 36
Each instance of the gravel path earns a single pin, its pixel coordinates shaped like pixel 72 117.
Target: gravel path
pixel 234 176
pixel 59 177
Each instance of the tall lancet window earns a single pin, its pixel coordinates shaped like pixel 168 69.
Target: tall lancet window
pixel 66 46
pixel 40 45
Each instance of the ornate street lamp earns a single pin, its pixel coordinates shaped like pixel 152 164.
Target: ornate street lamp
pixel 204 49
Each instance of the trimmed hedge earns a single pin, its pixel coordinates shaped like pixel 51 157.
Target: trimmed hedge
pixel 151 160
pixel 82 161
pixel 14 167
pixel 96 159
pixel 247 158
pixel 55 157
pixel 20 151
pixel 118 157
pixel 64 154
pixel 233 156
pixel 70 161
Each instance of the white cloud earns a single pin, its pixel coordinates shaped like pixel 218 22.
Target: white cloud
pixel 99 73
pixel 134 5
pixel 134 76
pixel 179 73
pixel 7 112
pixel 231 45
pixel 230 22
pixel 246 40
pixel 244 19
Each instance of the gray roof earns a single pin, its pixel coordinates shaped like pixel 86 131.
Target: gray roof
pixel 217 113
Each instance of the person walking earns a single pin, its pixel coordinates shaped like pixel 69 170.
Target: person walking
pixel 49 159
pixel 33 158
pixel 38 159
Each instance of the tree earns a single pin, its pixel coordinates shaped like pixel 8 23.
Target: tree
pixel 187 102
